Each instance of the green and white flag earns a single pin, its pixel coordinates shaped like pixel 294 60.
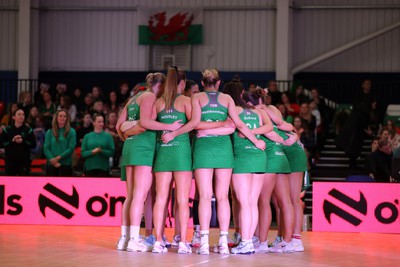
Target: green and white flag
pixel 171 27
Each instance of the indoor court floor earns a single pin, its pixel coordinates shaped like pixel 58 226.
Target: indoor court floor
pixel 42 245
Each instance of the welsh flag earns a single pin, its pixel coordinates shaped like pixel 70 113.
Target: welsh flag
pixel 171 28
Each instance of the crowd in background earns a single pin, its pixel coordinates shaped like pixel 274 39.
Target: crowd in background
pixel 309 115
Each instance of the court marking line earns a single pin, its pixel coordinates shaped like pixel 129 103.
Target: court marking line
pixel 206 261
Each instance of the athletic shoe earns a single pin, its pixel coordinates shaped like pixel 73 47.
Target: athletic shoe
pixel 262 247
pixel 298 245
pixel 159 247
pixel 221 248
pixel 149 241
pixel 282 247
pixel 204 249
pixel 196 239
pixel 122 243
pixel 175 240
pixel 277 240
pixel 136 245
pixel 243 248
pixel 236 238
pixel 255 240
pixel 184 248
pixel 166 242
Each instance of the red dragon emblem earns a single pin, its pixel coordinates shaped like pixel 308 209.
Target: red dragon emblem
pixel 176 30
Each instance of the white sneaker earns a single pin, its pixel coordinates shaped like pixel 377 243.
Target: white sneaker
pixel 255 239
pixel 277 240
pixel 297 245
pixel 159 247
pixel 204 249
pixel 262 247
pixel 221 248
pixel 282 247
pixel 166 242
pixel 175 240
pixel 243 248
pixel 196 239
pixel 123 243
pixel 136 245
pixel 236 238
pixel 184 248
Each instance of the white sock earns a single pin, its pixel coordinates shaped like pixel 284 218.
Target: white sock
pixel 223 237
pixel 197 227
pixel 204 236
pixel 134 232
pixel 125 230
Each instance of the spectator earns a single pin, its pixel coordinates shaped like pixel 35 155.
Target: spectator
pixel 379 165
pixel 98 107
pixel 47 109
pixel 123 93
pixel 59 145
pixel 97 93
pixel 351 137
pixel 18 139
pixel 87 104
pixel 394 137
pixel 25 101
pixel 6 120
pixel 111 122
pixel 112 104
pixel 292 108
pixel 33 114
pixel 65 103
pixel 84 129
pixel 298 126
pixel 309 124
pixel 44 87
pixel 97 148
pixel 77 99
pixel 61 89
pixel 273 91
pixel 39 131
pixel 298 93
pixel 286 117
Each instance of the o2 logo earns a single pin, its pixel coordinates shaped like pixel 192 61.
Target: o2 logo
pixel 360 206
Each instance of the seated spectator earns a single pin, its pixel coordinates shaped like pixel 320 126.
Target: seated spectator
pixel 314 111
pixel 97 93
pixel 98 108
pixel 111 122
pixel 61 89
pixel 47 109
pixel 77 99
pixel 65 103
pixel 276 95
pixel 44 87
pixel 298 94
pixel 25 101
pixel 97 148
pixel 85 128
pixel 59 145
pixel 286 117
pixel 292 108
pixel 112 104
pixel 6 120
pixel 39 131
pixel 123 94
pixel 298 126
pixel 394 136
pixel 33 114
pixel 18 139
pixel 379 163
pixel 309 138
pixel 87 105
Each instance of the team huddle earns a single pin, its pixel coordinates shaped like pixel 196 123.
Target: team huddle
pixel 226 138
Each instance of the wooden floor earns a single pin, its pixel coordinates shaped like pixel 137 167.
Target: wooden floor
pixel 39 245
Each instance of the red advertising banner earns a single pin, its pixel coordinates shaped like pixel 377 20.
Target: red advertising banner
pixel 356 207
pixel 63 201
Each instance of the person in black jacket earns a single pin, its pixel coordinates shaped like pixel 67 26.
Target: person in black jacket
pixel 379 164
pixel 18 139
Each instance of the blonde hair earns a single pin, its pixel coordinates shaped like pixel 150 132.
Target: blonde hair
pixel 174 77
pixel 154 78
pixel 54 124
pixel 210 77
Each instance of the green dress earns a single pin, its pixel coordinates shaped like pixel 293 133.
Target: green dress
pixel 276 158
pixel 248 158
pixel 138 149
pixel 213 151
pixel 177 154
pixel 295 154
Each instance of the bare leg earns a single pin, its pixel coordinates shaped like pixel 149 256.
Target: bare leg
pixel 256 187
pixel 265 205
pixel 282 192
pixel 295 182
pixel 183 184
pixel 242 184
pixel 222 181
pixel 204 178
pixel 126 207
pixel 148 211
pixel 163 180
pixel 235 210
pixel 142 181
